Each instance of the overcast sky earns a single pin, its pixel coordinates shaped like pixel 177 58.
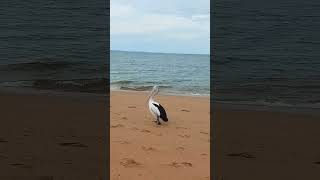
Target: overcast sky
pixel 172 26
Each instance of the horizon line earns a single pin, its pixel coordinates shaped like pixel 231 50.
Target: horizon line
pixel 161 52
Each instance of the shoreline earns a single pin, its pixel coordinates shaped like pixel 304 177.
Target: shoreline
pixel 225 105
pixel 161 93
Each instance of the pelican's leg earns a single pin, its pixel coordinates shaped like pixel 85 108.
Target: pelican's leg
pixel 158 121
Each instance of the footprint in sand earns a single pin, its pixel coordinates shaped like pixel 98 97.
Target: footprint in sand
pixel 67 162
pixel 174 164
pixel 260 147
pixel 243 154
pixel 26 132
pixel 187 164
pixel 131 107
pixel 135 128
pixel 178 165
pixel 185 110
pixel 117 126
pixel 129 163
pixel 3 140
pixel 3 156
pixel 184 136
pixel 21 165
pixel 180 148
pixel 181 128
pixel 203 154
pixel 202 132
pixel 145 131
pixel 148 148
pixel 124 118
pixel 73 144
pixel 122 142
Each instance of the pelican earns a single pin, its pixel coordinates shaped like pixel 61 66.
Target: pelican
pixel 155 108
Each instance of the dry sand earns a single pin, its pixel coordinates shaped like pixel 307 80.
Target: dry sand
pixel 142 150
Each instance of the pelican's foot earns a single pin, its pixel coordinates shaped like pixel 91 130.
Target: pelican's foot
pixel 159 123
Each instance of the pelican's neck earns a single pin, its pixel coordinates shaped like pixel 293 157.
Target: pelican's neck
pixel 152 94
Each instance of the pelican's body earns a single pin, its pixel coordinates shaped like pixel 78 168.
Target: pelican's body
pixel 155 108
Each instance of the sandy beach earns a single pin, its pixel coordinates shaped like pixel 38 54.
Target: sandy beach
pixel 141 149
pixel 264 145
pixel 52 136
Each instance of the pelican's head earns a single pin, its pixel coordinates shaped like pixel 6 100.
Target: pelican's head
pixel 155 91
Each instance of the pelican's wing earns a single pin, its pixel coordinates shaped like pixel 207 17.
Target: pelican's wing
pixel 163 114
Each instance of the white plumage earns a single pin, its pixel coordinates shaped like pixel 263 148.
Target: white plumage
pixel 155 108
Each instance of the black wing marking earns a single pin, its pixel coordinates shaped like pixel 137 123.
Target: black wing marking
pixel 163 114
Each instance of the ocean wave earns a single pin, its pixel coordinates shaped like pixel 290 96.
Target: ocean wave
pixel 121 82
pixel 265 103
pixel 140 88
pixel 39 66
pixel 77 85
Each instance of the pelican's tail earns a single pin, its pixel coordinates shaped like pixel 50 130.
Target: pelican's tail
pixel 165 119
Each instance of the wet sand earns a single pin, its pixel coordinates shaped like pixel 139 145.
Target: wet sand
pixel 264 145
pixel 52 137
